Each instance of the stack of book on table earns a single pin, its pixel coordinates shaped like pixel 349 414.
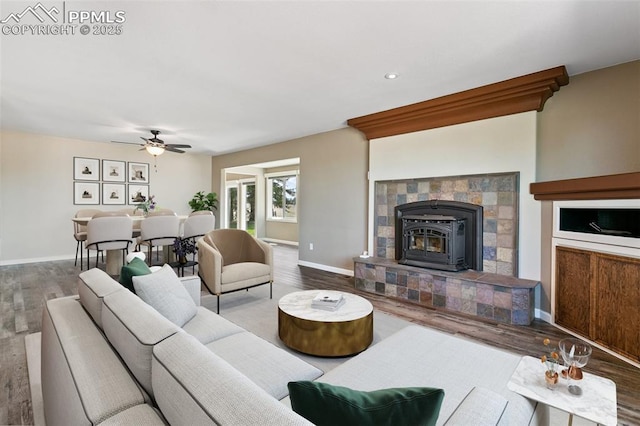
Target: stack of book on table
pixel 329 301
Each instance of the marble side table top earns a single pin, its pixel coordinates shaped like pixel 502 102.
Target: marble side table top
pixel 298 304
pixel 597 402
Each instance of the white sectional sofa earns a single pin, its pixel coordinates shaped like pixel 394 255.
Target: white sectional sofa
pixel 109 358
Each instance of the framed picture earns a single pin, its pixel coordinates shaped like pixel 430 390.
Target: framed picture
pixel 138 194
pixel 86 193
pixel 113 171
pixel 86 168
pixel 114 193
pixel 138 172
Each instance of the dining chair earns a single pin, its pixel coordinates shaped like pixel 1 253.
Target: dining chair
pixel 196 225
pixel 80 232
pixel 158 229
pixel 109 231
pixel 136 223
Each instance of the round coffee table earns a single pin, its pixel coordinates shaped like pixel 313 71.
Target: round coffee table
pixel 345 331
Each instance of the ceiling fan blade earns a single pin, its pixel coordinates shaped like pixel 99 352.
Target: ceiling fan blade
pixel 128 143
pixel 174 145
pixel 172 149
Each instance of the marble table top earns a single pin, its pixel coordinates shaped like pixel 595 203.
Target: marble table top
pixel 597 402
pixel 298 304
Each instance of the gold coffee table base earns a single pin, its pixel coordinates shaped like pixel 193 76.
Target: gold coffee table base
pixel 325 338
pixel 345 331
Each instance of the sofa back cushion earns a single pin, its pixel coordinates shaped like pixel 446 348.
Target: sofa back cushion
pixel 83 379
pixel 93 286
pixel 192 385
pixel 133 328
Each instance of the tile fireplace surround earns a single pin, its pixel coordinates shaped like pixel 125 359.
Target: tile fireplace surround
pixel 496 193
pixel 495 293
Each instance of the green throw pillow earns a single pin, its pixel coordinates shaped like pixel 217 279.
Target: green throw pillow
pixel 133 269
pixel 325 404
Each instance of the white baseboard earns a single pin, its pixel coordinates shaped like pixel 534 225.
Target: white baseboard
pixel 327 268
pixel 543 315
pixel 38 259
pixel 285 242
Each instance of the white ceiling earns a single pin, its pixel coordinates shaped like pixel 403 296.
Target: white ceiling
pixel 229 75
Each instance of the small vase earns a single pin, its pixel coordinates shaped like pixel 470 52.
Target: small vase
pixel 551 378
pixel 182 260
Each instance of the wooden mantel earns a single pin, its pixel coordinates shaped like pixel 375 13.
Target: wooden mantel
pixel 520 94
pixel 621 186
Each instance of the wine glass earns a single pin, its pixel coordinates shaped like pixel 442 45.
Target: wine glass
pixel 575 354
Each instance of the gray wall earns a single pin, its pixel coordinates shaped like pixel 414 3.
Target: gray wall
pixel 592 126
pixel 36 197
pixel 589 128
pixel 332 192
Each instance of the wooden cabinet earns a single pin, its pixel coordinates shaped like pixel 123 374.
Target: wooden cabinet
pixel 597 295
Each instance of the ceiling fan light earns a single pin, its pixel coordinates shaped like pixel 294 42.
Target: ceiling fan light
pixel 155 150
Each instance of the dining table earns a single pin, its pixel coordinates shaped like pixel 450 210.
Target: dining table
pixel 114 259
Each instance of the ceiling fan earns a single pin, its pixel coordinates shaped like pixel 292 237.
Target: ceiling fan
pixel 156 146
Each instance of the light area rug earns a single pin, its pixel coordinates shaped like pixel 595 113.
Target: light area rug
pixel 255 312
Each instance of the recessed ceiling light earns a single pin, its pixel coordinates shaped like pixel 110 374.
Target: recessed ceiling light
pixel 391 75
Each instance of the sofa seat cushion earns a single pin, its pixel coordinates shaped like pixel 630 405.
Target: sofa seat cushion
pixel 194 386
pixel 325 404
pixel 166 294
pixel 207 326
pixel 243 273
pixel 267 365
pixel 83 379
pixel 142 414
pixel 93 286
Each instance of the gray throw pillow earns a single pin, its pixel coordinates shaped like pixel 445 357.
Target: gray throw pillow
pixel 166 294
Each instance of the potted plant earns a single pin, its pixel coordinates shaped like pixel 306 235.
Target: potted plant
pixel 551 362
pixel 146 205
pixel 200 202
pixel 182 247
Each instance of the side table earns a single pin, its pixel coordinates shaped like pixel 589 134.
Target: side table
pixel 597 402
pixel 180 266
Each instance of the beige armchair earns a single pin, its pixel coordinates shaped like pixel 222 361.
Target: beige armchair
pixel 231 260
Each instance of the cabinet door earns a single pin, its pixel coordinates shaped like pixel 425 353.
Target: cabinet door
pixel 573 289
pixel 617 300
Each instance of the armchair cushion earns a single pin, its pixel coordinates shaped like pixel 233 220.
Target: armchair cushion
pixel 164 292
pixel 246 271
pixel 134 268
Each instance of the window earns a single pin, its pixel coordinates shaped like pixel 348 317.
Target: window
pixel 282 196
pixel 232 206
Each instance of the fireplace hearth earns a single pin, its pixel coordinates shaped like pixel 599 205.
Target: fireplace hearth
pixel 439 234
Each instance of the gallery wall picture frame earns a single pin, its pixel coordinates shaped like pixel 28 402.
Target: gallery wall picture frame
pixel 86 168
pixel 86 193
pixel 138 172
pixel 137 194
pixel 113 194
pixel 114 171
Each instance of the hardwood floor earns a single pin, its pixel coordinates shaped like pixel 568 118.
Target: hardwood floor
pixel 25 288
